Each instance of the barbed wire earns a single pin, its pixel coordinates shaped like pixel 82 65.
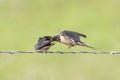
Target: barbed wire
pixel 61 52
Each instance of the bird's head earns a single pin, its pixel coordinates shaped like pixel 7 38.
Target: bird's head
pixel 47 37
pixel 56 38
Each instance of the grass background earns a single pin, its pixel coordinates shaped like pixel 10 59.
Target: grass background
pixel 23 21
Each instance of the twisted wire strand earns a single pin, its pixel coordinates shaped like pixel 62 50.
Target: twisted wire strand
pixel 61 52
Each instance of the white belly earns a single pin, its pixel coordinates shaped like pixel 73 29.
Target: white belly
pixel 66 41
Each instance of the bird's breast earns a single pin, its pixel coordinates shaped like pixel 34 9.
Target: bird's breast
pixel 67 41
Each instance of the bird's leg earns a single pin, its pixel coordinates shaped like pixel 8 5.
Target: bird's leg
pixel 70 45
pixel 38 51
pixel 45 52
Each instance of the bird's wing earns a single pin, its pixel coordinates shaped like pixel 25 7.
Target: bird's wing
pixel 72 35
pixel 42 43
pixel 75 33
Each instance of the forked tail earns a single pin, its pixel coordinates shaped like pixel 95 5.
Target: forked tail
pixel 83 44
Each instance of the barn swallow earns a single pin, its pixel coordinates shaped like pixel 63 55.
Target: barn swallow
pixel 70 38
pixel 43 44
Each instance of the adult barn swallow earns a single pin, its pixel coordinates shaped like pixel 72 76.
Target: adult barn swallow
pixel 70 38
pixel 43 44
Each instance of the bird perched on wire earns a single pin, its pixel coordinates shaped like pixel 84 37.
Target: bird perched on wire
pixel 70 38
pixel 43 44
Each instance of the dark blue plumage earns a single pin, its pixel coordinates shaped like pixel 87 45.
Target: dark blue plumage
pixel 43 44
pixel 72 38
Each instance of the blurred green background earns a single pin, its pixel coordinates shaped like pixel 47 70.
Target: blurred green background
pixel 22 22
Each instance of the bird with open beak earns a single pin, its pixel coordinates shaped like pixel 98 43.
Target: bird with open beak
pixel 70 38
pixel 43 44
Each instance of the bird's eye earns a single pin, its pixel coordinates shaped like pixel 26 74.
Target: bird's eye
pixel 62 34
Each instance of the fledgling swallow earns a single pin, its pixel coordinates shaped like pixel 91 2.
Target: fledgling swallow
pixel 70 38
pixel 43 44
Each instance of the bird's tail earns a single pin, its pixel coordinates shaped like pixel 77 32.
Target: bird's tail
pixel 83 44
